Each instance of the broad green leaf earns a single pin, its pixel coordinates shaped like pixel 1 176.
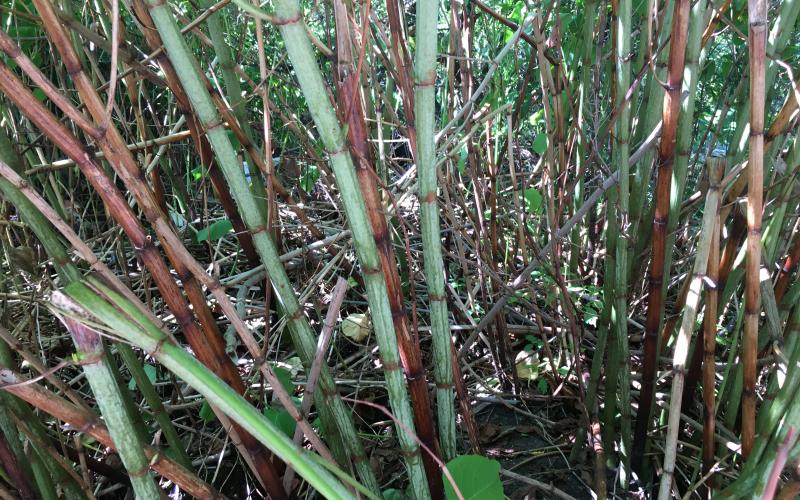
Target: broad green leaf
pixel 540 144
pixel 281 419
pixel 87 440
pixel 206 413
pixel 215 231
pixel 477 477
pixel 533 200
pixel 537 119
pixel 197 173
pixel 284 376
pixel 542 386
pixel 462 160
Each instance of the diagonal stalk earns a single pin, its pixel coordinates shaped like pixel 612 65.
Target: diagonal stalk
pixel 78 299
pixel 91 357
pixel 90 424
pixel 208 347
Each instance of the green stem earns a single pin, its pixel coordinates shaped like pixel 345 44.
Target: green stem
pixel 425 113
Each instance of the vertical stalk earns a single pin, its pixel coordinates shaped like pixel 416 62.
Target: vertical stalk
pixel 353 111
pixel 709 356
pixel 706 232
pixel 621 155
pixel 757 47
pixel 581 122
pixel 290 22
pixel 233 90
pixel 683 145
pixel 425 113
pixel 654 100
pixel 666 157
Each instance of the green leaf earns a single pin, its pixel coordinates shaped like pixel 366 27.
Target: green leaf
pixel 535 342
pixel 87 440
pixel 281 419
pixel 542 386
pixel 150 371
pixel 284 376
pixel 197 173
pixel 477 477
pixel 540 144
pixel 462 160
pixel 206 413
pixel 537 119
pixel 215 231
pixel 533 200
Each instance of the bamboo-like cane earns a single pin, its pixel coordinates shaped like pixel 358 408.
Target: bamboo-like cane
pixel 679 359
pixel 207 348
pixel 290 22
pixel 757 45
pixel 352 109
pixel 785 271
pixel 709 356
pixel 621 156
pixel 199 140
pixel 425 113
pixel 666 156
pixel 777 420
pixel 683 146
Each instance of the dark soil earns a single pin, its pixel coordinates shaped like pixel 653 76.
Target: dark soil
pixel 533 446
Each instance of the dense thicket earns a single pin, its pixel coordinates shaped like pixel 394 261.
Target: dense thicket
pixel 399 249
